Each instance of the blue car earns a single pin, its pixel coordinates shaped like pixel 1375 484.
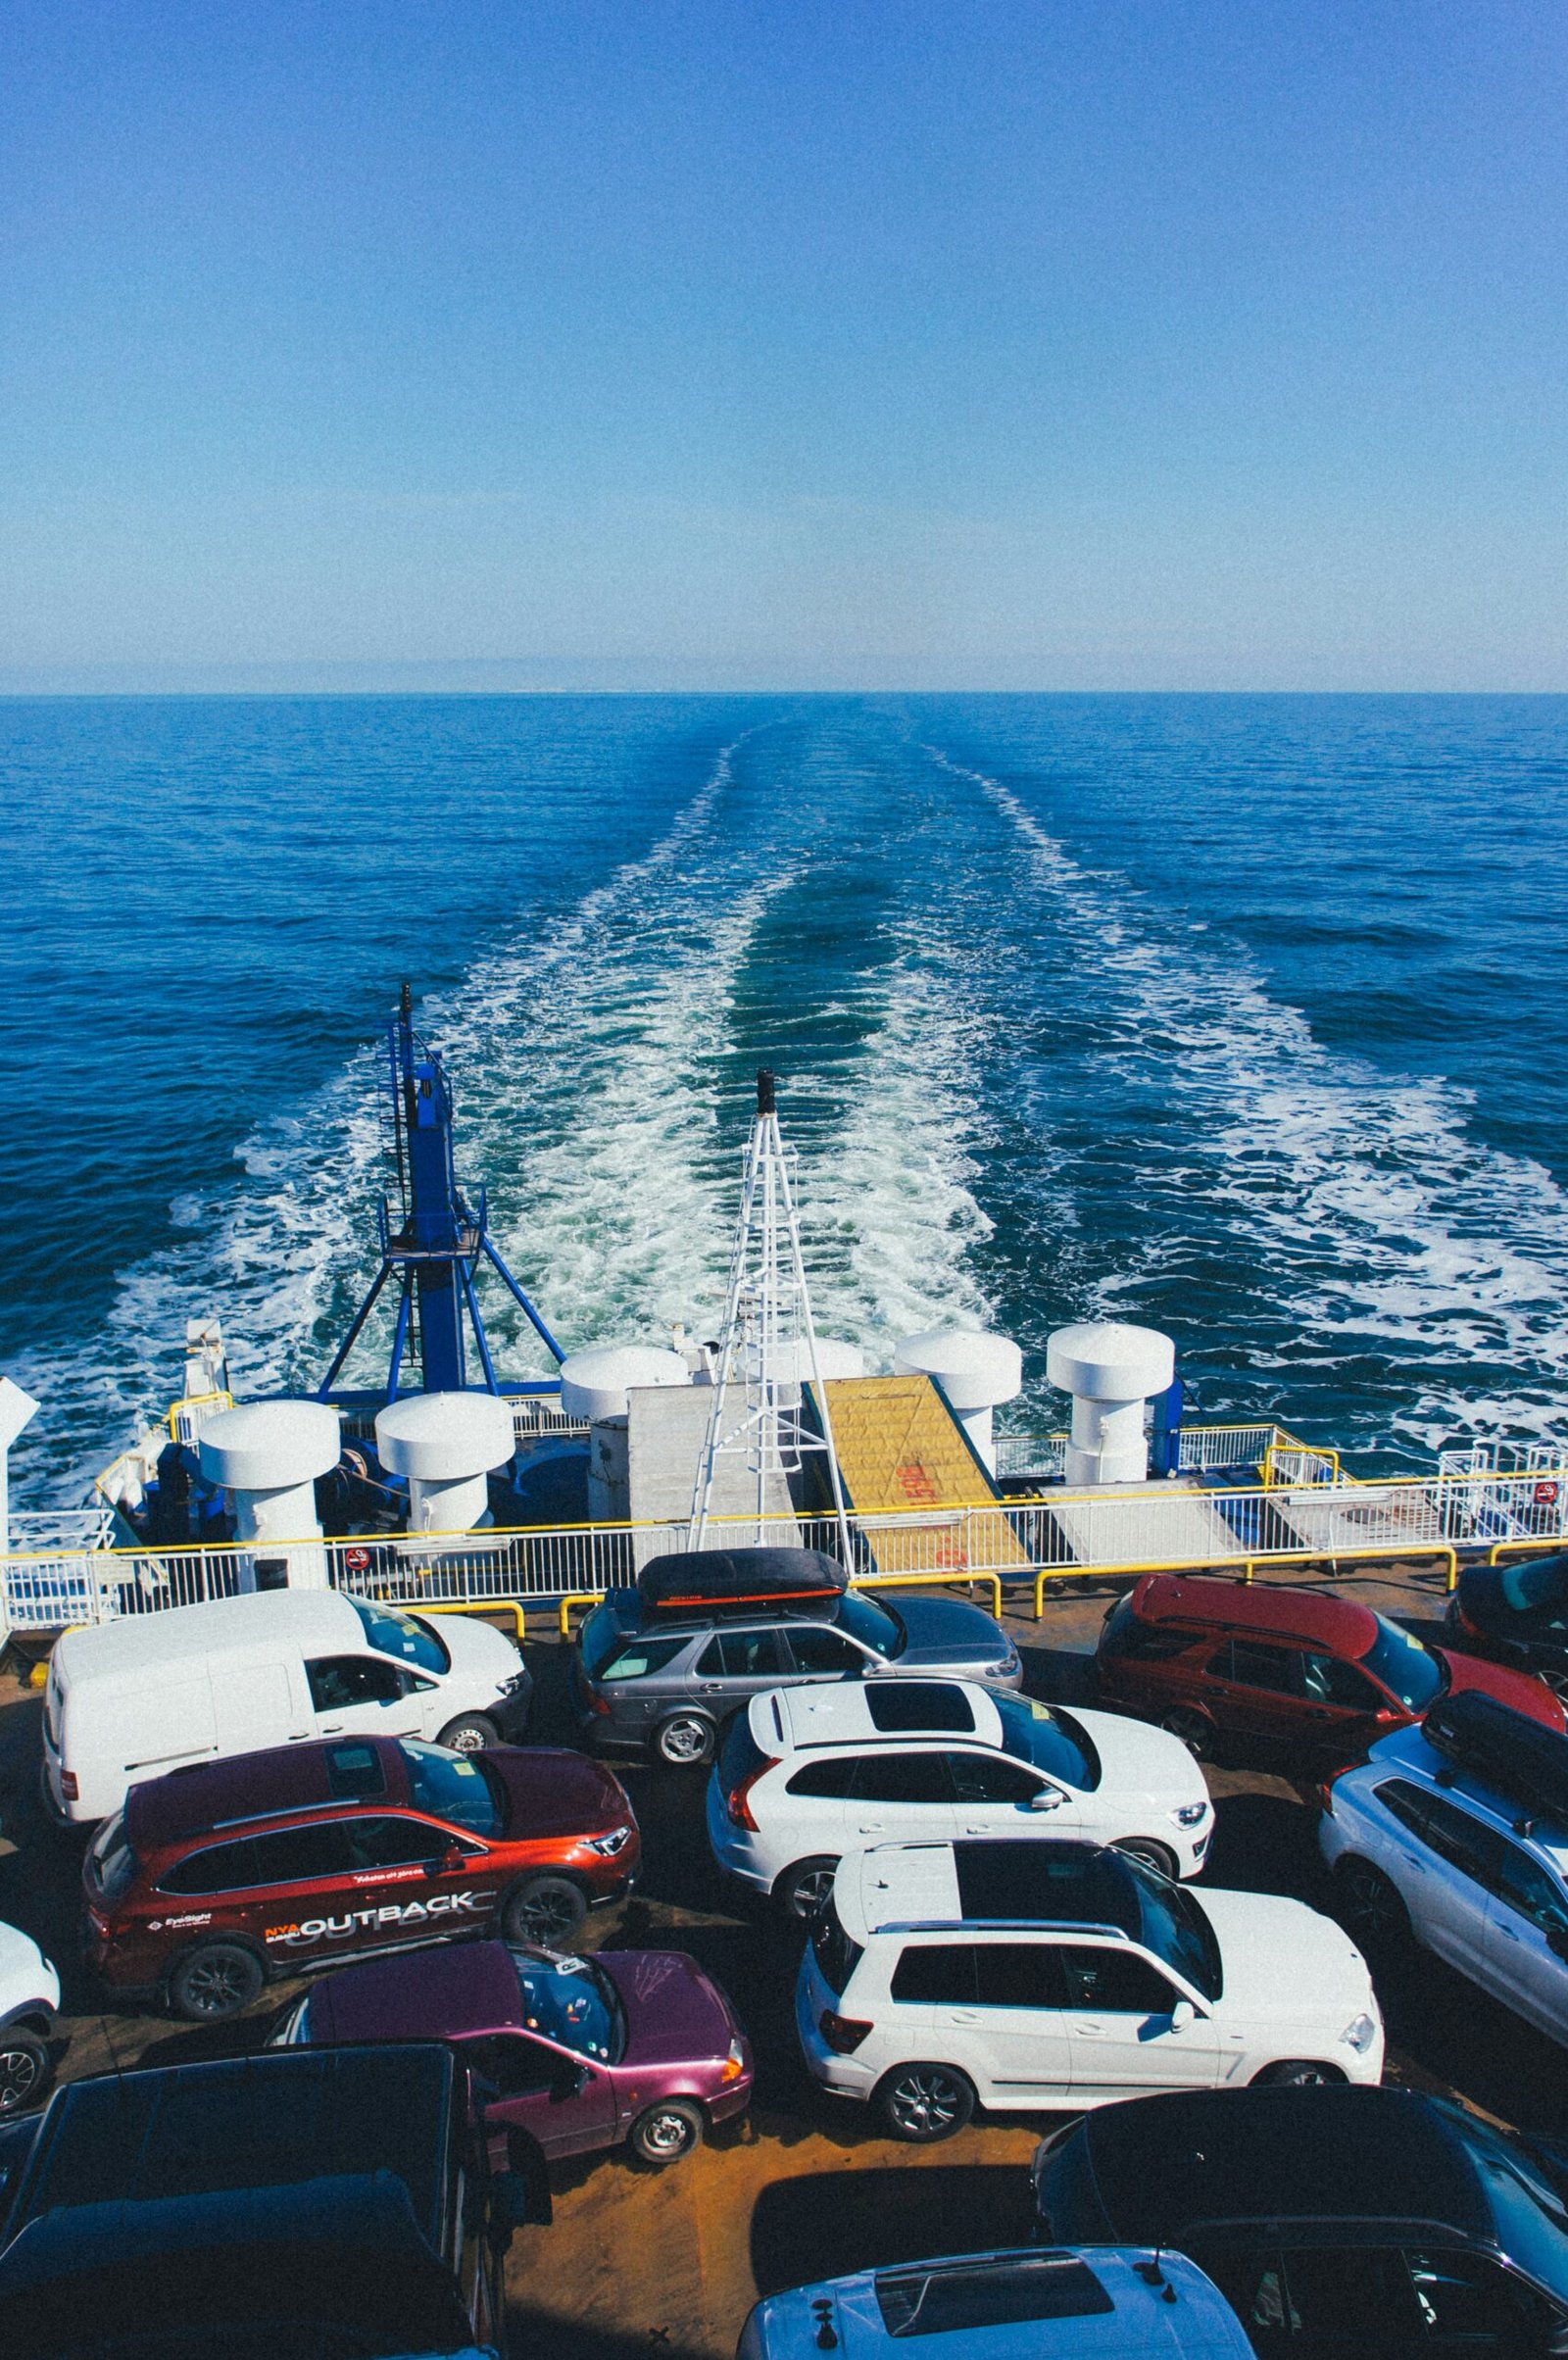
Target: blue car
pixel 1091 2303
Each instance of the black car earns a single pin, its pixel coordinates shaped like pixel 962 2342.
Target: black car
pixel 1516 1614
pixel 279 2207
pixel 1341 2223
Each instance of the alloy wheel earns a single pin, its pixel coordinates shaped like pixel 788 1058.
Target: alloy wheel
pixel 925 2102
pixel 688 1740
pixel 20 2076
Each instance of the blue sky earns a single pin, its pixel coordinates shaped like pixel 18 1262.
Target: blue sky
pixel 1118 343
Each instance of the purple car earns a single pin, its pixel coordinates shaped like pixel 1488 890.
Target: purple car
pixel 634 2046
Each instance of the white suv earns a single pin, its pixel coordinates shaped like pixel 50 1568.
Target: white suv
pixel 1463 1843
pixel 806 1773
pixel 1045 1973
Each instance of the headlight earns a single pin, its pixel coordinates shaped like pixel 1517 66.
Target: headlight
pixel 607 1847
pixel 1359 2034
pixel 1192 1814
pixel 522 1679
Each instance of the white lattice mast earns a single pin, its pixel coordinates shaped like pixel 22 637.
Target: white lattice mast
pixel 767 1345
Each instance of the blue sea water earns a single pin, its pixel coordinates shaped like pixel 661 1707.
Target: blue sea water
pixel 1245 1016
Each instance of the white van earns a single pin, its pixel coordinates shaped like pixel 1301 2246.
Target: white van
pixel 130 1700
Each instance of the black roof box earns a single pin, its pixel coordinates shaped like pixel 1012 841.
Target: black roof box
pixel 1521 1758
pixel 721 1580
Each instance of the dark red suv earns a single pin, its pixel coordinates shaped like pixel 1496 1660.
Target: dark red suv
pixel 1319 1678
pixel 221 1875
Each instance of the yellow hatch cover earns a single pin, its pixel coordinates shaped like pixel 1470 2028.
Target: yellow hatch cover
pixel 897 1446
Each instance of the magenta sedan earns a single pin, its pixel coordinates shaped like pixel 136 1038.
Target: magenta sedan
pixel 585 2052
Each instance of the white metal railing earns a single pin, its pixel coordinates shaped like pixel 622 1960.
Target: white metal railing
pixel 1104 1532
pixel 1501 1458
pixel 1198 1449
pixel 534 1417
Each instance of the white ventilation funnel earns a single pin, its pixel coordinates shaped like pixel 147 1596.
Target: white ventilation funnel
pixel 446 1444
pixel 971 1371
pixel 1111 1371
pixel 594 1384
pixel 268 1456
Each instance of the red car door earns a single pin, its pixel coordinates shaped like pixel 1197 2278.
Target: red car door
pixel 567 2103
pixel 1255 1689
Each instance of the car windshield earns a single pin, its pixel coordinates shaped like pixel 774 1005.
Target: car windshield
pixel 612 1620
pixel 1173 1925
pixel 1406 1668
pixel 403 1636
pixel 1538 1586
pixel 114 1863
pixel 452 1786
pixel 1052 1740
pixel 1531 2215
pixel 574 2001
pixel 874 1625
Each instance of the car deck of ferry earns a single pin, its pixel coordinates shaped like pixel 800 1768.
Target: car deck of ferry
pixel 639 2260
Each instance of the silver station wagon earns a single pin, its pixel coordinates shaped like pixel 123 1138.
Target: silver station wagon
pixel 664 1665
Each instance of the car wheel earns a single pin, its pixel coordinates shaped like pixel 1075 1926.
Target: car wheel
pixel 685 1741
pixel 469 1732
pixel 1370 1905
pixel 664 2132
pixel 1195 1729
pixel 544 1911
pixel 26 2067
pixel 922 2103
pixel 801 1889
pixel 1297 2073
pixel 1156 1856
pixel 218 1981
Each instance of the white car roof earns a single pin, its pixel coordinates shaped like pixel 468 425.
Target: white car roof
pixel 849 1713
pixel 260 1623
pixel 981 2305
pixel 923 1884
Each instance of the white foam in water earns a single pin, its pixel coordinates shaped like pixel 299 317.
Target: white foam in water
pixel 1384 1225
pixel 590 1071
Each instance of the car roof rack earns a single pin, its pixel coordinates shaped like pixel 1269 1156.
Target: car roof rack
pixel 1517 1757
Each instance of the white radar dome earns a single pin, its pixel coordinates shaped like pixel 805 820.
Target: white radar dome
pixel 444 1437
pixel 594 1384
pixel 267 1455
pixel 270 1445
pixel 792 1362
pixel 1111 1371
pixel 1101 1360
pixel 446 1444
pixel 975 1371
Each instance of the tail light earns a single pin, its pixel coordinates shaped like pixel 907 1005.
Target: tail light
pixel 737 1803
pixel 1325 1792
pixel 843 2034
pixel 597 1703
pixel 69 1790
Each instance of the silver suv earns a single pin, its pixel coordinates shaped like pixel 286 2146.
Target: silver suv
pixel 655 1668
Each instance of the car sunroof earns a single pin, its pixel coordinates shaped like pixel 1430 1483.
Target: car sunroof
pixel 960 2298
pixel 906 1705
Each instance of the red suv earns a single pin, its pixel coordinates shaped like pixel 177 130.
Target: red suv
pixel 1321 1678
pixel 223 1874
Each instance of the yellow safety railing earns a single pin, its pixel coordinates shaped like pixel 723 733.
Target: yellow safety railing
pixel 1112 1532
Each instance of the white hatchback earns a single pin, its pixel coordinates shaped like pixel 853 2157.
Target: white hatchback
pixel 806 1774
pixel 1035 1975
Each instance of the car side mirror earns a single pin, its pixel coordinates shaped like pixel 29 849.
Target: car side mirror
pixel 571 2081
pixel 1557 1940
pixel 1046 1798
pixel 1182 2015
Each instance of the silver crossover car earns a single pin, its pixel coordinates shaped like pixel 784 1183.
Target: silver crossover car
pixel 664 1666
